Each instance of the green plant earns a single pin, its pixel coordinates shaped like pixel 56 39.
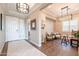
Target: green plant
pixel 76 34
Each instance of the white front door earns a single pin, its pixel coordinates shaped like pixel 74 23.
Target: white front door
pixel 11 28
pixel 21 29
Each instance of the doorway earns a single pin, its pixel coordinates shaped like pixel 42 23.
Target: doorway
pixel 15 28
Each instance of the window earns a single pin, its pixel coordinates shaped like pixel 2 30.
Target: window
pixel 73 25
pixel 65 26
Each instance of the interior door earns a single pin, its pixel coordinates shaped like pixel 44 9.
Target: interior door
pixel 21 29
pixel 11 28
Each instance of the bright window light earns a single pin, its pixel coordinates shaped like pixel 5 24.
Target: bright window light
pixel 73 24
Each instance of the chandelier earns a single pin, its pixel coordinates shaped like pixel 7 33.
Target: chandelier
pixel 65 13
pixel 22 7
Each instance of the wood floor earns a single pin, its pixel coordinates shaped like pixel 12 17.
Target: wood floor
pixel 54 48
pixel 51 48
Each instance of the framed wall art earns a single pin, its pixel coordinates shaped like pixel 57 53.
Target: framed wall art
pixel 33 24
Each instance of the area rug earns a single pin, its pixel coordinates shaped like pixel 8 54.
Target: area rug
pixel 22 48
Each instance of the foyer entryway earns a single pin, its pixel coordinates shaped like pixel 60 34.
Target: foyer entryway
pixel 15 28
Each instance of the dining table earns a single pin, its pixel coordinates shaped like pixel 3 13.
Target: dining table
pixel 74 42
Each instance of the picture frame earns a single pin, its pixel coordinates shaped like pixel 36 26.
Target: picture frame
pixel 1 22
pixel 33 24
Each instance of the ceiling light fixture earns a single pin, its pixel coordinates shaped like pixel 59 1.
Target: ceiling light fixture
pixel 65 13
pixel 66 16
pixel 22 7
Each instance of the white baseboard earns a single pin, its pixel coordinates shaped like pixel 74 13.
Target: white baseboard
pixel 39 45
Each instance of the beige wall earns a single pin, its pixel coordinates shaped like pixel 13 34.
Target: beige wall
pixel 58 26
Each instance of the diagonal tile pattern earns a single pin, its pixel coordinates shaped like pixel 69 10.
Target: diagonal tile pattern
pixel 22 48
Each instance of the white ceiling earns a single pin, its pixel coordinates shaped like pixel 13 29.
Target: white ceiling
pixel 12 6
pixel 55 8
pixel 10 9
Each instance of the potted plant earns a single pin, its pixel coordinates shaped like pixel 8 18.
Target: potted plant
pixel 76 34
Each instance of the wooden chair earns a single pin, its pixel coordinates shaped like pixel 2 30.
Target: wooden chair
pixel 65 40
